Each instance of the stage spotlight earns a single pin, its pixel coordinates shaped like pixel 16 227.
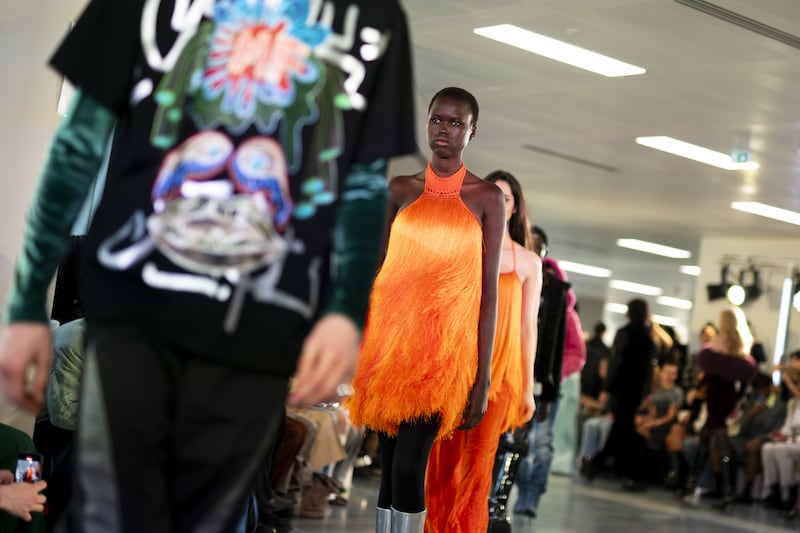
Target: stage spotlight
pixel 739 293
pixel 717 291
pixel 736 294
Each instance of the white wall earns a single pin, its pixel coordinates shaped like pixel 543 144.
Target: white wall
pixel 778 255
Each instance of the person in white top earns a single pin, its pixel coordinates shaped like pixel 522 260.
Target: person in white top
pixel 779 458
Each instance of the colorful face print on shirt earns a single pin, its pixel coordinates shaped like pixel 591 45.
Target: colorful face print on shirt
pixel 237 89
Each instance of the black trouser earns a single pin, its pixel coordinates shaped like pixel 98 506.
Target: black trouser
pixel 166 441
pixel 624 444
pixel 404 460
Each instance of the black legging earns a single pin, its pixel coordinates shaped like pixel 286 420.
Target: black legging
pixel 404 460
pixel 713 443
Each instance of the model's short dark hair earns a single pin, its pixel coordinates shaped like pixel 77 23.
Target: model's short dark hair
pixel 599 329
pixel 457 93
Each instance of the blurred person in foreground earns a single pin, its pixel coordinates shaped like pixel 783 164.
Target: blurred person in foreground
pixel 233 245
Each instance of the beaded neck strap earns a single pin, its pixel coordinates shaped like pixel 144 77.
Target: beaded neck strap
pixel 447 186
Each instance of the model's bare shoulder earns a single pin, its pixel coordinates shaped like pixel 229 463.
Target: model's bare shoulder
pixel 405 188
pixel 528 258
pixel 481 189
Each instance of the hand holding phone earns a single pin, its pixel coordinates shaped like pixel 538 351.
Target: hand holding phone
pixel 29 468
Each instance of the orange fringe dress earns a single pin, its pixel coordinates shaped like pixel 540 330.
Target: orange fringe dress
pixel 419 353
pixel 459 475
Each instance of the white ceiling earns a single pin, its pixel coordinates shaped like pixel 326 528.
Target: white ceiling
pixel 708 82
pixel 587 183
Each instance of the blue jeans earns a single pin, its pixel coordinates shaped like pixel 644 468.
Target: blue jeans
pixel 706 479
pixel 534 469
pixel 594 435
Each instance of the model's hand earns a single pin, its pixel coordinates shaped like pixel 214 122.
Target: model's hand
pixel 25 347
pixel 327 360
pixel 476 405
pixel 528 406
pixel 6 477
pixel 22 499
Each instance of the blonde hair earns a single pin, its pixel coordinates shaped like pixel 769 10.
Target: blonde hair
pixel 660 336
pixel 734 333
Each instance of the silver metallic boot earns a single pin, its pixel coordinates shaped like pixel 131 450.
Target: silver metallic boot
pixel 383 520
pixel 408 522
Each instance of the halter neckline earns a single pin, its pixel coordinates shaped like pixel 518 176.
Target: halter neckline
pixel 444 186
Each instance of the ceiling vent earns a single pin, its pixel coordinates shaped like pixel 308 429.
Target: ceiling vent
pixel 743 22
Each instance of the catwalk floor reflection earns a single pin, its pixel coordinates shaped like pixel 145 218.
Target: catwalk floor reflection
pixel 573 506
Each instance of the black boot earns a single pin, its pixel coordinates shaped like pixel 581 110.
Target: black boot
pixel 725 484
pixel 746 496
pixel 774 498
pixel 672 480
pixel 509 454
pixel 791 501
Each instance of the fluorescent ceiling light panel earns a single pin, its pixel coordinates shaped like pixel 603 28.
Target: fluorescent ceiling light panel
pixel 669 301
pixel 586 270
pixel 653 248
pixel 638 288
pixel 616 308
pixel 690 270
pixel 666 320
pixel 559 50
pixel 694 152
pixel 769 211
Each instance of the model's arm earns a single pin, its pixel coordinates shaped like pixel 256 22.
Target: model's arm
pixel 74 160
pixel 531 290
pixel 330 350
pixel 493 222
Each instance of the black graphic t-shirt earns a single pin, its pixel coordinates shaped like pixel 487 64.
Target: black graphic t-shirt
pixel 238 121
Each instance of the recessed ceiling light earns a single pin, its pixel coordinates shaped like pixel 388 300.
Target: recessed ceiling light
pixel 694 152
pixel 669 301
pixel 653 248
pixel 559 50
pixel 637 288
pixel 769 211
pixel 690 270
pixel 612 307
pixel 586 270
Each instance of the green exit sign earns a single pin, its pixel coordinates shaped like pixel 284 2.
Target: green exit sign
pixel 740 156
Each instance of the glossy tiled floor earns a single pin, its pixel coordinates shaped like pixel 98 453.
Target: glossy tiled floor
pixel 572 506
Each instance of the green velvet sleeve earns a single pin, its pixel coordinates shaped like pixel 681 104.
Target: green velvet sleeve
pixel 72 165
pixel 357 240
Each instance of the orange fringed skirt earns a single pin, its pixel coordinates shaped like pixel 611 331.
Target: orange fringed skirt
pixel 419 353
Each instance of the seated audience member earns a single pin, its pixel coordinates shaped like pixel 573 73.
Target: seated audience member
pixel 779 456
pixel 61 410
pixel 593 375
pixel 790 375
pixel 762 413
pixel 594 433
pixel 18 501
pixel 662 410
